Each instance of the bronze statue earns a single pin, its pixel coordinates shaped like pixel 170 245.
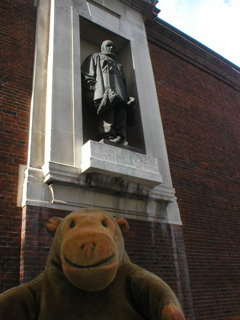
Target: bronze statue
pixel 103 76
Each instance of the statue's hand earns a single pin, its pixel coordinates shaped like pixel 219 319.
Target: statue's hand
pixel 131 100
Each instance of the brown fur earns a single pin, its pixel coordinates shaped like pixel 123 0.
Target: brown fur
pixel 89 276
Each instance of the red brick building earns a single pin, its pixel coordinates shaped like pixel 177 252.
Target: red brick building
pixel 199 98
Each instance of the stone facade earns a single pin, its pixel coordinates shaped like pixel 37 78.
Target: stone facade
pixel 59 160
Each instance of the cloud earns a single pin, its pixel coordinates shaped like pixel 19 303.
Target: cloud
pixel 215 23
pixel 228 2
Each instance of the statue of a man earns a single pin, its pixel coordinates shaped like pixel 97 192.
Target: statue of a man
pixel 103 76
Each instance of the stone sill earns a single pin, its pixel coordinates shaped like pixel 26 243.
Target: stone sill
pixel 99 157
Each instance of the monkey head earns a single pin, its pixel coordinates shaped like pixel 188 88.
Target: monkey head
pixel 89 247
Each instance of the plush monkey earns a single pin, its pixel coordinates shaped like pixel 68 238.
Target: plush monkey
pixel 89 276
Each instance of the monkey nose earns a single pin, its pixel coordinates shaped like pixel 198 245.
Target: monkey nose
pixel 88 250
pixel 89 245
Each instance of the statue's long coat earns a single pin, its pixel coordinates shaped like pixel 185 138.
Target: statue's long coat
pixel 107 72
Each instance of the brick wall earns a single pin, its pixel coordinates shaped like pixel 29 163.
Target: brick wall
pixel 36 241
pixel 17 31
pixel 200 109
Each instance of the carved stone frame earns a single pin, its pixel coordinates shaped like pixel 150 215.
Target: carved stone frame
pixel 54 176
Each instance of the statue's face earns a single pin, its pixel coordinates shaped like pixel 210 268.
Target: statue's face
pixel 108 46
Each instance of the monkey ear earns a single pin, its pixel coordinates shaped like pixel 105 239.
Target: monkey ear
pixel 52 225
pixel 123 224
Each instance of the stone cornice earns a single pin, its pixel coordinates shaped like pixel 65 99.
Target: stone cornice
pixel 146 7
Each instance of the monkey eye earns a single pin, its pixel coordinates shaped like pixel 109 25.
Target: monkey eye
pixel 72 224
pixel 104 224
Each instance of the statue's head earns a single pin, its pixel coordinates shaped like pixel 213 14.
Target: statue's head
pixel 108 47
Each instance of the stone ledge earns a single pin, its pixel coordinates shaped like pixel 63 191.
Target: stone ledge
pixel 54 172
pixel 63 187
pixel 111 160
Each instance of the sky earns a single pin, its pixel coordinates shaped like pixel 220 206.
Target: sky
pixel 214 23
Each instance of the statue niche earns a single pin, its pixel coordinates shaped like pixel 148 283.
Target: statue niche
pixel 105 93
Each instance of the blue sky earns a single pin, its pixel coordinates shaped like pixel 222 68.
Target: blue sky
pixel 214 23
